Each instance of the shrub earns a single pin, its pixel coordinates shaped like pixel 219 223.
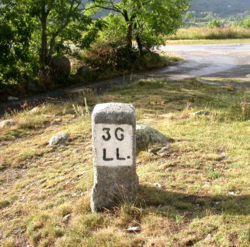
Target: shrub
pixel 111 56
pixel 246 23
pixel 214 23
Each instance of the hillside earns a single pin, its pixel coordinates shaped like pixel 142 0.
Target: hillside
pixel 223 8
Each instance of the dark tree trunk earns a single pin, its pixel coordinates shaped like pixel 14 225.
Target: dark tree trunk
pixel 139 44
pixel 43 56
pixel 129 35
pixel 138 41
pixel 44 36
pixel 52 44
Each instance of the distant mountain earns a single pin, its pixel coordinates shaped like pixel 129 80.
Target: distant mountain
pixel 223 8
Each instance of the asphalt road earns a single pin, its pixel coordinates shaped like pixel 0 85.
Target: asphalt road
pixel 225 61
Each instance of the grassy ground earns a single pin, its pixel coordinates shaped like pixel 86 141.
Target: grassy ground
pixel 204 196
pixel 211 33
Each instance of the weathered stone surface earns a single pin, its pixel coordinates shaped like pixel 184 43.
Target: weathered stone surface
pixel 59 139
pixel 147 136
pixel 114 146
pixel 201 113
pixel 60 67
pixel 85 72
pixel 9 122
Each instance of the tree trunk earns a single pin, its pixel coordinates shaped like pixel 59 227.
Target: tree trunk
pixel 139 44
pixel 52 44
pixel 138 41
pixel 44 36
pixel 129 35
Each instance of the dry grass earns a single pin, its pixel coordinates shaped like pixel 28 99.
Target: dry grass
pixel 196 33
pixel 204 195
pixel 207 41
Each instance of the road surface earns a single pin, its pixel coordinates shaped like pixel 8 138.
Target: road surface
pixel 226 61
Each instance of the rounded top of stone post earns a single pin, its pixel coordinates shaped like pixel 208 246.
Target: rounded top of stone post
pixel 114 113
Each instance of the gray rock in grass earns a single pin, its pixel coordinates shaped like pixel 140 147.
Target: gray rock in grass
pixel 59 139
pixel 9 122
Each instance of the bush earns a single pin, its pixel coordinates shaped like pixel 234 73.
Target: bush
pixel 214 23
pixel 111 56
pixel 246 23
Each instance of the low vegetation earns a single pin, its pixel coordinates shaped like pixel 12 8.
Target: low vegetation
pixel 219 33
pixel 203 197
pixel 207 41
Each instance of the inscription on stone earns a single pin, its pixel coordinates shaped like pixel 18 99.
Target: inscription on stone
pixel 114 145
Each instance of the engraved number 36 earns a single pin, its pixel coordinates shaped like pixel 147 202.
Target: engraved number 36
pixel 118 134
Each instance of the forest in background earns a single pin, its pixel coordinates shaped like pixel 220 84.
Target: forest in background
pixel 227 12
pixel 223 8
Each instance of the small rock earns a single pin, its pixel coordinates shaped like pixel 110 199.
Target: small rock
pixel 57 120
pixel 169 169
pixel 11 98
pixel 146 136
pixel 75 151
pixel 9 122
pixel 154 150
pixel 157 185
pixel 85 72
pixel 163 151
pixel 66 218
pixel 88 148
pixel 59 139
pixel 208 237
pixel 34 110
pixel 134 229
pixel 201 113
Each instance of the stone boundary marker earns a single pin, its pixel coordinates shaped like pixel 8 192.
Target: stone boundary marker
pixel 114 150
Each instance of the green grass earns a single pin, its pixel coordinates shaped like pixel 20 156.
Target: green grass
pixel 204 199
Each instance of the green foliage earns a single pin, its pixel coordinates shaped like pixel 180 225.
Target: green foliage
pixel 144 21
pixel 16 56
pixel 114 30
pixel 246 23
pixel 214 23
pixel 32 32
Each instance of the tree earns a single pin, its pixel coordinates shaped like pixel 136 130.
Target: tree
pixel 146 20
pixel 40 28
pixel 60 21
pixel 16 29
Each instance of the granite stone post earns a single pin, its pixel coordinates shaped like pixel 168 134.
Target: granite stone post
pixel 114 149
